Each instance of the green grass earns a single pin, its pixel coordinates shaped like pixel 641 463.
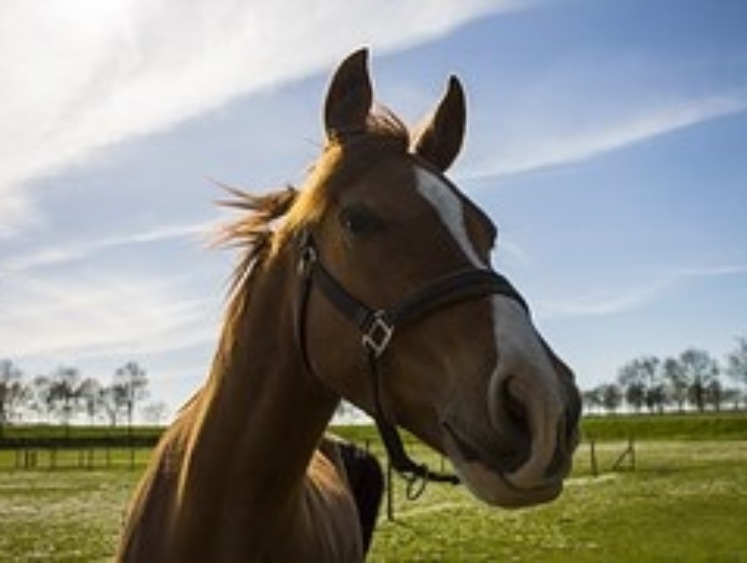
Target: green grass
pixel 61 515
pixel 686 501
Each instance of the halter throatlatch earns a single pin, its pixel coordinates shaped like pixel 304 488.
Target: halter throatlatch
pixel 377 328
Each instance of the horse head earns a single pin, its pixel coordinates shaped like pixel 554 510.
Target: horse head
pixel 404 257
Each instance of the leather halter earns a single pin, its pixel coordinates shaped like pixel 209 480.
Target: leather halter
pixel 377 328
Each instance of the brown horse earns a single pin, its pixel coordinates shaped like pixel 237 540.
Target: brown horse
pixel 373 284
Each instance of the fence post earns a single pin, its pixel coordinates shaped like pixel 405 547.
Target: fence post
pixel 628 453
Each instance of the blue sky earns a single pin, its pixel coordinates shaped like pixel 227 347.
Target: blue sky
pixel 607 139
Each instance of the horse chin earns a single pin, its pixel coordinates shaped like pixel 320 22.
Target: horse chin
pixel 491 485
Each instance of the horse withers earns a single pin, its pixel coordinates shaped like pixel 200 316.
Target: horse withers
pixel 371 283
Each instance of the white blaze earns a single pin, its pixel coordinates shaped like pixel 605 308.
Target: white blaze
pixel 450 209
pixel 520 348
pixel 521 360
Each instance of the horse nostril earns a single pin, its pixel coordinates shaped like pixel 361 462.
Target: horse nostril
pixel 510 417
pixel 515 409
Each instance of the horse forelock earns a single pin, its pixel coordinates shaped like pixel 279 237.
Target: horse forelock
pixel 343 159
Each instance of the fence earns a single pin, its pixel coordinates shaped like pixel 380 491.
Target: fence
pixel 444 524
pixel 51 453
pixel 623 460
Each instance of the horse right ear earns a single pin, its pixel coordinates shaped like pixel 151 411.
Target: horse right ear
pixel 440 140
pixel 349 97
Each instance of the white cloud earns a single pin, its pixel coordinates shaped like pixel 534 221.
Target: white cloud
pixel 613 301
pixel 87 249
pixel 570 144
pixel 712 271
pixel 598 303
pixel 83 75
pixel 98 316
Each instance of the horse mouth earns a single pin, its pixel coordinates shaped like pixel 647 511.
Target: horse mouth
pixel 488 477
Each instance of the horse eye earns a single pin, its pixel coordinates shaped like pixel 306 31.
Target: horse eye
pixel 360 220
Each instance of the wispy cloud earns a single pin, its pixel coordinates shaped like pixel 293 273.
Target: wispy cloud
pixel 613 301
pixel 83 75
pixel 569 146
pixel 98 316
pixel 712 271
pixel 83 250
pixel 599 303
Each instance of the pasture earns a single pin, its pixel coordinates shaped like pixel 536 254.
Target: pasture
pixel 685 501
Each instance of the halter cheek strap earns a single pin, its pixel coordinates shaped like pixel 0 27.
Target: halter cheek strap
pixel 377 328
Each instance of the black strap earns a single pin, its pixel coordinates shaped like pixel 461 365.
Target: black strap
pixel 377 328
pixel 353 309
pixel 417 475
pixel 462 285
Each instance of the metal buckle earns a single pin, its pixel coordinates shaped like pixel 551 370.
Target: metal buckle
pixel 379 333
pixel 307 259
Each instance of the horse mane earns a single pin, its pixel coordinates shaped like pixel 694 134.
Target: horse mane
pixel 254 229
pixel 257 230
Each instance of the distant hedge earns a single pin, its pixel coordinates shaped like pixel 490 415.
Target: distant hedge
pixel 78 437
pixel 688 426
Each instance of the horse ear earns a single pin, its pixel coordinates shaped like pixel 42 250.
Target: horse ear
pixel 349 97
pixel 440 140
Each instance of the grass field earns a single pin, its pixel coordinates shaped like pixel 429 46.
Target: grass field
pixel 685 501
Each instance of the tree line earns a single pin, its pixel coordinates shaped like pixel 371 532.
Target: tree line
pixel 693 380
pixel 65 395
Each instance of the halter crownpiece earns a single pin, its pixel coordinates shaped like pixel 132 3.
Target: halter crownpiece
pixel 377 328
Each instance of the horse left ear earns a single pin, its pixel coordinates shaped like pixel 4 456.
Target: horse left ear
pixel 440 140
pixel 349 97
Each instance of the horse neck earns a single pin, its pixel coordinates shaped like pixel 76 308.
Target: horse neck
pixel 262 413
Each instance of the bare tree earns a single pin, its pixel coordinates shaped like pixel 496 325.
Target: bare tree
pixel 641 384
pixel 108 403
pixel 714 393
pixel 64 393
pixel 701 370
pixel 40 401
pixel 13 393
pixel 592 399
pixel 130 386
pixel 736 362
pixel 90 397
pixel 612 396
pixel 677 381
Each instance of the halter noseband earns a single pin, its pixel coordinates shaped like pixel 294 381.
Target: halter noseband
pixel 377 328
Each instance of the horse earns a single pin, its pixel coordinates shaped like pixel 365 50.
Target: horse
pixel 372 283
